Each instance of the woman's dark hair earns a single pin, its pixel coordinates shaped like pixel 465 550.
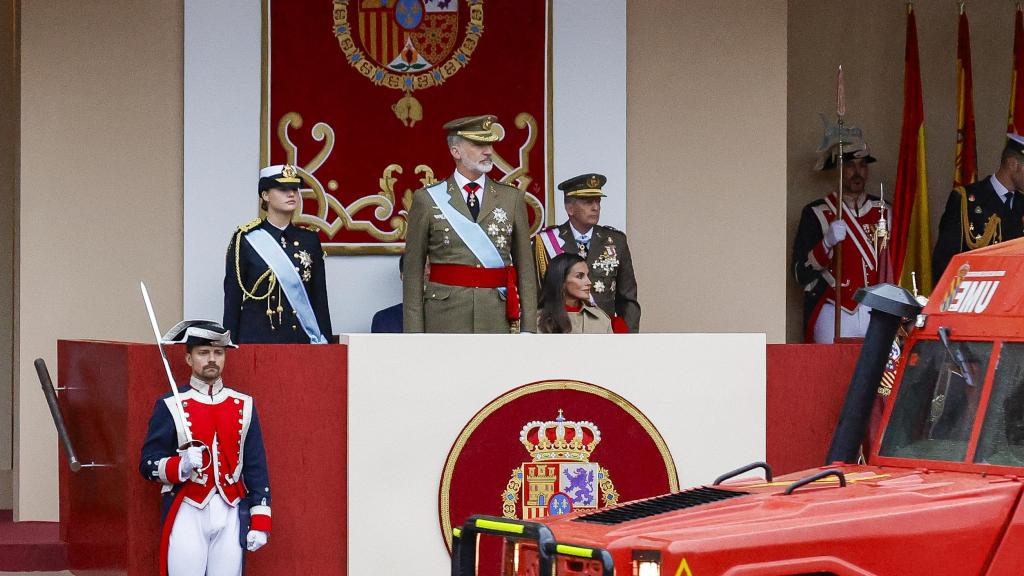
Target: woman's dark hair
pixel 553 318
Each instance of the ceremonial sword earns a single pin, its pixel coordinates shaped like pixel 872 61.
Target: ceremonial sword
pixel 170 379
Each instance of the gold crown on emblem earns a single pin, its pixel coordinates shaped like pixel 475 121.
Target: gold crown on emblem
pixel 560 439
pixel 288 171
pixel 594 182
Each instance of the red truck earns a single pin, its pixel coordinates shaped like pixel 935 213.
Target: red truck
pixel 940 494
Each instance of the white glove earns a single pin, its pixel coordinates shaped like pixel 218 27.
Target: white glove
pixel 836 234
pixel 255 540
pixel 191 459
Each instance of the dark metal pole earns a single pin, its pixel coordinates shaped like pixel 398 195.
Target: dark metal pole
pixel 58 418
pixel 889 305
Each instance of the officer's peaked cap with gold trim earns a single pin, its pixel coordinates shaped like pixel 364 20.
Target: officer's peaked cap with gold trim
pixel 1015 142
pixel 199 333
pixel 584 186
pixel 281 176
pixel 481 129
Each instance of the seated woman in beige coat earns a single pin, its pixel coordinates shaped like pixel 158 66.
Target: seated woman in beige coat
pixel 565 299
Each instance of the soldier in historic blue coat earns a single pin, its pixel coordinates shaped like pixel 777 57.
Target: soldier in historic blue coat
pixel 212 466
pixel 275 287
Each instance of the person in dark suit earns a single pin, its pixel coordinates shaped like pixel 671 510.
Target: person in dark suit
pixel 985 212
pixel 389 320
pixel 275 286
pixel 604 248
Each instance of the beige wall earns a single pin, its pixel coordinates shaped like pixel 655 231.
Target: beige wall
pixel 868 39
pixel 706 118
pixel 8 196
pixel 101 174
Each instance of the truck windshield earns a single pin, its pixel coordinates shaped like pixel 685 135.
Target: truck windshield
pixel 937 401
pixel 1002 434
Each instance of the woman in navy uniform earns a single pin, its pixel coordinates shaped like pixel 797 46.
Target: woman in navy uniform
pixel 275 289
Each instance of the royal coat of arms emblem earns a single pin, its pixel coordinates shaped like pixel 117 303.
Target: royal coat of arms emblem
pixel 560 478
pixel 407 45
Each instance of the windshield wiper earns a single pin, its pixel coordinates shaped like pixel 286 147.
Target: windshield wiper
pixel 957 356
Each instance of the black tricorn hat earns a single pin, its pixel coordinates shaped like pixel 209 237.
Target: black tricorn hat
pixel 199 333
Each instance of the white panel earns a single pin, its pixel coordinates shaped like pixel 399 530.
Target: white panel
pixel 222 136
pixel 590 99
pixel 405 415
pixel 222 106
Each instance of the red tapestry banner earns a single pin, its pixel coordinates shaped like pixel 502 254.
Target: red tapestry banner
pixel 355 93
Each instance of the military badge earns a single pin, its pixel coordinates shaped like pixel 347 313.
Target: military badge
pixel 608 261
pixel 492 229
pixel 560 478
pixel 500 216
pixel 599 286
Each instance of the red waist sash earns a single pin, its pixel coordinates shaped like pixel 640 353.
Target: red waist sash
pixel 473 277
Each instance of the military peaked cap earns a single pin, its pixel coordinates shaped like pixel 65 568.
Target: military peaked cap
pixel 281 176
pixel 584 186
pixel 482 129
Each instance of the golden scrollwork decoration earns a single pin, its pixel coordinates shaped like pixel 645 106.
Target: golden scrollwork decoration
pixel 389 218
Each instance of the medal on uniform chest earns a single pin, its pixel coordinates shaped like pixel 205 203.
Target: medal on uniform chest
pixel 599 286
pixel 306 260
pixel 499 234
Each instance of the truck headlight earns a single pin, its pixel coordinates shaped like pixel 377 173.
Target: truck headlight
pixel 646 563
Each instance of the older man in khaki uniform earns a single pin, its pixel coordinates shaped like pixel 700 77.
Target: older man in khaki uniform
pixel 476 235
pixel 603 247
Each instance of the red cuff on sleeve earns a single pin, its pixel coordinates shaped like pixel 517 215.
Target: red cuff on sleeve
pixel 172 470
pixel 260 522
pixel 619 325
pixel 819 258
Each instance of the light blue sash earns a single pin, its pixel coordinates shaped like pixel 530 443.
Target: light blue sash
pixel 472 234
pixel 268 249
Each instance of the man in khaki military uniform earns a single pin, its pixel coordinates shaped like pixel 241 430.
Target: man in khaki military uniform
pixel 604 248
pixel 476 235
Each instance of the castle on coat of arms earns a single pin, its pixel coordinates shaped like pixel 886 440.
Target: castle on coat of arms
pixel 560 478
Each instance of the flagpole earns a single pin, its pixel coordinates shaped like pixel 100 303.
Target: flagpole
pixel 837 272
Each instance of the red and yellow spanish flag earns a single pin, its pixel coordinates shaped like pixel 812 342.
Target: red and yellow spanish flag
pixel 965 169
pixel 911 241
pixel 1015 124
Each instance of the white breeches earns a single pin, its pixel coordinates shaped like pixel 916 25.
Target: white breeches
pixel 852 326
pixel 205 541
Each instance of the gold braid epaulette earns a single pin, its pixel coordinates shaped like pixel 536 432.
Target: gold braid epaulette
pixel 541 255
pixel 250 225
pixel 247 294
pixel 993 227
